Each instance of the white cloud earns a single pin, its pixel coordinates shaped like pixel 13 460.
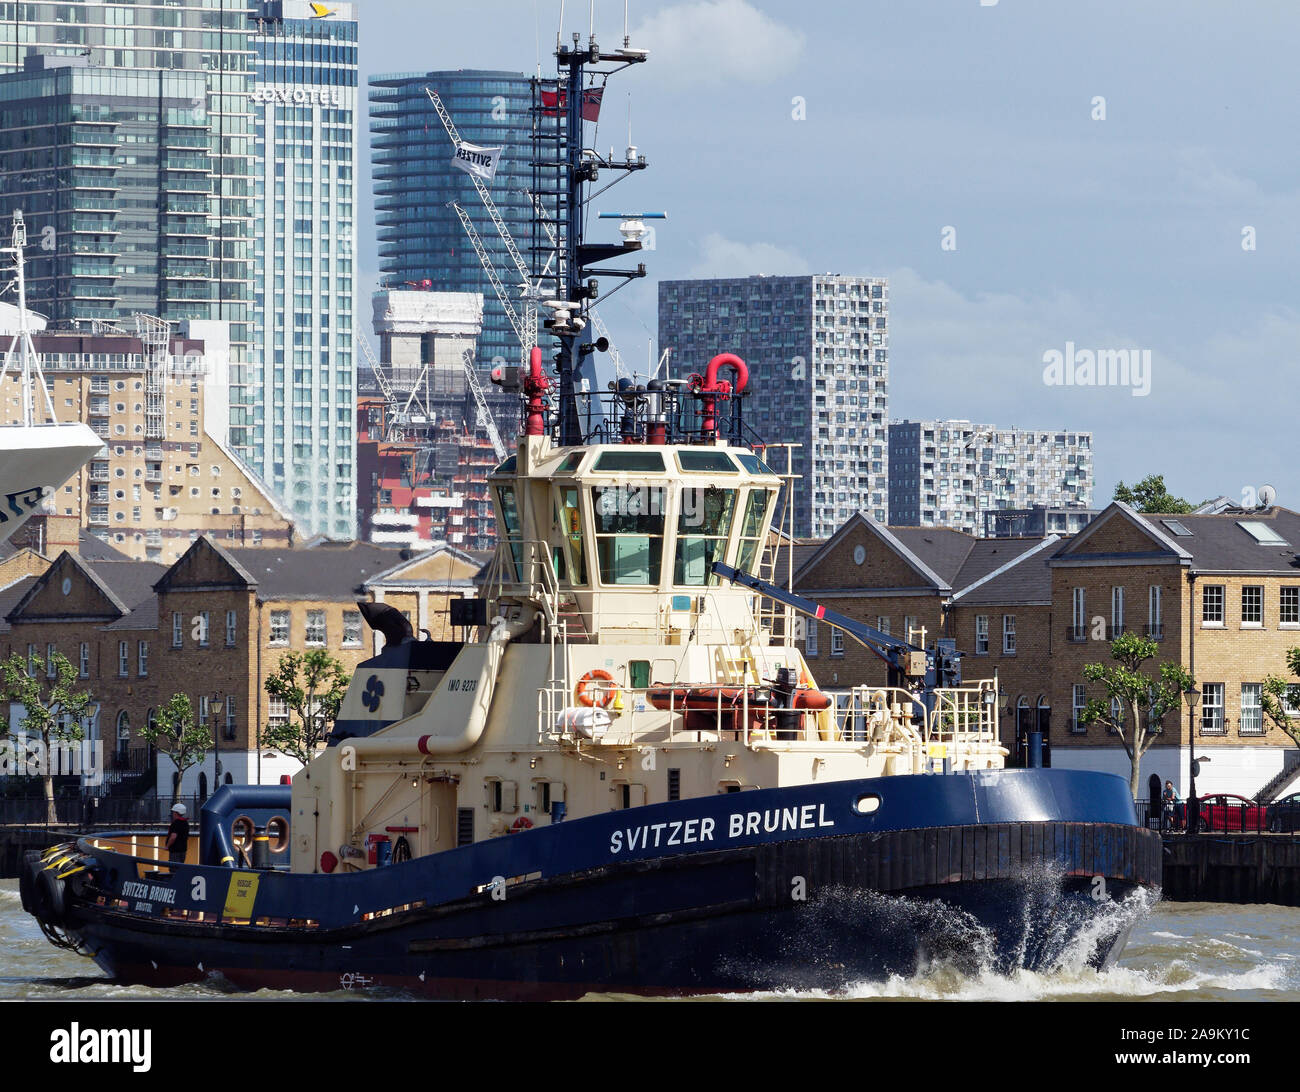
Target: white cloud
pixel 722 257
pixel 717 41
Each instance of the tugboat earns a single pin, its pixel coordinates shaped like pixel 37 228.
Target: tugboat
pixel 624 776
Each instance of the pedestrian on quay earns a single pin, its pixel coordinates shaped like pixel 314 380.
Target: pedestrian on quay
pixel 178 835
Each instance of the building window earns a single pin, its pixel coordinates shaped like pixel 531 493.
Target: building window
pixel 837 641
pixel 810 645
pixel 277 713
pixel 123 658
pixel 142 658
pixel 981 634
pixel 1116 612
pixel 1252 605
pixel 31 661
pixel 1252 712
pixel 84 664
pixel 178 632
pixel 230 718
pixel 882 623
pixel 1289 607
pixel 1116 716
pixel 315 627
pixel 352 629
pixel 232 621
pixel 279 627
pixel 1212 605
pixel 50 650
pixel 1008 634
pixel 203 710
pixel 1079 622
pixel 1212 709
pixel 1078 702
pixel 204 620
pixel 1155 624
pixel 909 624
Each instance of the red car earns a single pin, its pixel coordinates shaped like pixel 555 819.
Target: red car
pixel 1228 811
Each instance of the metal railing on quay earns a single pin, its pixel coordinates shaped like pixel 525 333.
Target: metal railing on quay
pixel 1219 816
pixel 95 811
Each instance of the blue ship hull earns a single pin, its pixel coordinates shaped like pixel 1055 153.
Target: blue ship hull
pixel 809 887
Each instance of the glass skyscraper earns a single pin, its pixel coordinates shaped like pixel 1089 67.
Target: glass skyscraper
pixel 420 237
pixel 134 164
pixel 302 401
pixel 818 356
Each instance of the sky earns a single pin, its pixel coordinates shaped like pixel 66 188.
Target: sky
pixel 1034 177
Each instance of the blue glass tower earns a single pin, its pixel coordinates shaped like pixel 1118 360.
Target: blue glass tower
pixel 302 401
pixel 420 237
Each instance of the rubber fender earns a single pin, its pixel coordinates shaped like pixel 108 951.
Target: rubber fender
pixel 53 897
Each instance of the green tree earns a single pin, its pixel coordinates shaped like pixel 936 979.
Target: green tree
pixel 1143 699
pixel 54 710
pixel 1150 495
pixel 177 734
pixel 311 685
pixel 1275 694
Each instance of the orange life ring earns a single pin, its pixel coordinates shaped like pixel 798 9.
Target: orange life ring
pixel 598 696
pixel 522 823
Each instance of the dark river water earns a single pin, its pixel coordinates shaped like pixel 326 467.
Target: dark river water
pixel 1176 952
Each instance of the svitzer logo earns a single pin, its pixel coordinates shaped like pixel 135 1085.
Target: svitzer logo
pixel 320 11
pixel 300 96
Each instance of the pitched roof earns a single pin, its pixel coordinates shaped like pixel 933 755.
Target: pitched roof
pixel 1219 543
pixel 326 571
pixel 941 548
pixel 1020 575
pixel 132 583
pixel 11 596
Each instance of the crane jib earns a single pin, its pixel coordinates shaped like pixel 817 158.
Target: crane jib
pixel 942 661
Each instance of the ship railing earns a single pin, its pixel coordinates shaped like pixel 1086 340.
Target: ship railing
pixel 964 714
pixel 524 567
pixel 675 713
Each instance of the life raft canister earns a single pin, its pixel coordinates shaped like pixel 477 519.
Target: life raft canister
pixel 599 696
pixel 522 823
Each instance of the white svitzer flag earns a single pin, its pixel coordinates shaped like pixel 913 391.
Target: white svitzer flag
pixel 480 162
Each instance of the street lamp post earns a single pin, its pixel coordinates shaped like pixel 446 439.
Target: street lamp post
pixel 216 705
pixel 1193 697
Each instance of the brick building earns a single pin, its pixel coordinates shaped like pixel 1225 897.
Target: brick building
pixel 212 625
pixel 166 473
pixel 1220 593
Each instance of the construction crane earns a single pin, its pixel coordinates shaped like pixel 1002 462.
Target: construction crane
pixel 485 418
pixel 486 260
pixel 530 304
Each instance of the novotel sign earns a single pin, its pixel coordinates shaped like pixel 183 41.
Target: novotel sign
pixel 299 96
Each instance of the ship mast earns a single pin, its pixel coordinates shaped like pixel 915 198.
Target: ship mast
pixel 563 177
pixel 29 367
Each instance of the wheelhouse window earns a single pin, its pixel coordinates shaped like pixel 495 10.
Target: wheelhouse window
pixel 570 514
pixel 629 533
pixel 703 525
pixel 510 517
pixel 751 529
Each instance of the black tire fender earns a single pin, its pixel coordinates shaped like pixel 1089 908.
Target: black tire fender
pixel 51 893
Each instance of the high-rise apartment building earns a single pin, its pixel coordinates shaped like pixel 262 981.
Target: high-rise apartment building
pixel 158 399
pixel 817 348
pixel 303 394
pixel 420 237
pixel 133 166
pixel 950 473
